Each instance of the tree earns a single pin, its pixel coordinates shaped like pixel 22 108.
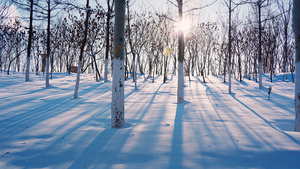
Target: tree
pixel 230 39
pixel 131 46
pixel 50 7
pixel 285 17
pixel 109 15
pixel 15 37
pixel 87 10
pixel 4 10
pixel 296 22
pixel 229 47
pixel 180 95
pixel 117 104
pixel 96 34
pixel 259 6
pixel 29 42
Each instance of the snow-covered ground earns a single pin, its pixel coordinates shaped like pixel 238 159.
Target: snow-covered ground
pixel 47 128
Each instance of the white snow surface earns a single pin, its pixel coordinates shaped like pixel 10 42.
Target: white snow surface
pixel 46 128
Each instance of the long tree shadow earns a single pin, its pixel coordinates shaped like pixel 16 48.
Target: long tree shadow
pixel 265 120
pixel 176 154
pixel 95 149
pixel 88 156
pixel 252 159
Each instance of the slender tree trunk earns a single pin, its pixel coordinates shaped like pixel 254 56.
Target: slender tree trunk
pixel 131 47
pixel 165 69
pixel 153 72
pixel 52 65
pixel 61 63
pixel 229 49
pixel 180 92
pixel 117 104
pixel 175 60
pixel 82 50
pixel 296 23
pixel 48 45
pixel 126 65
pixel 29 42
pixel 259 46
pixel 10 62
pixel 108 16
pixel 240 67
pixel 224 77
pixel 1 54
pixel 98 76
pixel 18 57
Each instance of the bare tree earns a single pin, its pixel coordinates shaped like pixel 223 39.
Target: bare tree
pixel 109 15
pixel 285 7
pixel 29 42
pixel 19 3
pixel 87 10
pixel 131 45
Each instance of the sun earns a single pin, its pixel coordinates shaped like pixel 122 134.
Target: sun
pixel 184 26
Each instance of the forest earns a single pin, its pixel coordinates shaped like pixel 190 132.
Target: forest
pixel 151 47
pixel 167 84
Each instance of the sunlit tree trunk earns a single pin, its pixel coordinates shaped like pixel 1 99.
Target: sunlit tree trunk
pixel 108 16
pixel 117 104
pixel 180 95
pixel 29 43
pixel 82 50
pixel 296 23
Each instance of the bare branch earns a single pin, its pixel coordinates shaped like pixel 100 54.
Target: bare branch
pixel 172 3
pixel 200 7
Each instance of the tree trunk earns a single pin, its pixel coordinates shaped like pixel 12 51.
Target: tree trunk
pixel 241 74
pixel 229 49
pixel 82 50
pixel 52 65
pixel 29 42
pixel 117 104
pixel 165 69
pixel 296 23
pixel 259 46
pixel 48 45
pixel 1 54
pixel 224 77
pixel 180 95
pixel 98 76
pixel 108 16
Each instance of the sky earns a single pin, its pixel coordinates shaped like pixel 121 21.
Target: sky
pixel 161 6
pixel 211 13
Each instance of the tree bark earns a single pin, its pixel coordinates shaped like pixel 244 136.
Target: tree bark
pixel 29 42
pixel 259 45
pixel 108 16
pixel 82 49
pixel 180 95
pixel 229 49
pixel 48 45
pixel 296 23
pixel 117 104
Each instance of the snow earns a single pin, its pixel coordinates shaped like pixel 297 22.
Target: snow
pixel 46 128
